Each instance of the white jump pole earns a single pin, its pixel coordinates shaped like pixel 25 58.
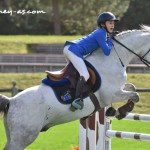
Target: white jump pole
pixel 128 135
pixel 92 132
pixel 103 124
pixel 95 132
pixel 87 133
pixel 139 117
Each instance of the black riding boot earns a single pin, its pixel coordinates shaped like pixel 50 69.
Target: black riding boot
pixel 78 102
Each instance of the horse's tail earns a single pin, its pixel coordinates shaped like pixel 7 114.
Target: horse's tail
pixel 4 103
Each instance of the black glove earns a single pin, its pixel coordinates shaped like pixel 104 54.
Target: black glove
pixel 114 33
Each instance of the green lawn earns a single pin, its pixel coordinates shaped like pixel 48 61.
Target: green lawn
pixel 60 137
pixel 18 43
pixel 130 126
pixel 65 136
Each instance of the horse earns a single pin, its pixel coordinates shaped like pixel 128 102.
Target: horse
pixel 35 108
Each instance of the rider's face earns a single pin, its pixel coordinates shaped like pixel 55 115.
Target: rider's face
pixel 110 25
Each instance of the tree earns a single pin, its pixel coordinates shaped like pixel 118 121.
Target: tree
pixel 80 17
pixel 5 22
pixel 136 14
pixel 61 17
pixel 56 17
pixel 23 23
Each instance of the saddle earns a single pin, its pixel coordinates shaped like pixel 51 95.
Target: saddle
pixel 64 83
pixel 70 73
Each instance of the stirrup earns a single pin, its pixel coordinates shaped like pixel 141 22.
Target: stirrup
pixel 76 104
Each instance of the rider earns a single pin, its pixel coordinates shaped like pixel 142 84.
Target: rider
pixel 75 51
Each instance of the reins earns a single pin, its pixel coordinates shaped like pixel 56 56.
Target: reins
pixel 146 62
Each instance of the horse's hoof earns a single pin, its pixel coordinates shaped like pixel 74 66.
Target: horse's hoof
pixel 121 116
pixel 135 99
pixel 110 112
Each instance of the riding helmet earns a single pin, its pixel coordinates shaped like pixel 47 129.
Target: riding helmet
pixel 105 16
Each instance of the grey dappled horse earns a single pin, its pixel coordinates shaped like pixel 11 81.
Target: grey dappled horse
pixel 35 108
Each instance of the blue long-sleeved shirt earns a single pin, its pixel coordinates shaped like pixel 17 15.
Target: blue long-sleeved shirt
pixel 96 39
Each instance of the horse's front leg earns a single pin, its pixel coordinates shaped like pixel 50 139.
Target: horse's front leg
pixel 124 95
pixel 127 93
pixel 129 87
pixel 133 97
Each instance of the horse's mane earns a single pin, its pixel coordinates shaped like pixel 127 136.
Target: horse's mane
pixel 144 28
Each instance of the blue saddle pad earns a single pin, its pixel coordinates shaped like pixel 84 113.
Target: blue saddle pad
pixel 63 90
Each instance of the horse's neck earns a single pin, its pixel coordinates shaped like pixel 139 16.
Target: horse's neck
pixel 134 40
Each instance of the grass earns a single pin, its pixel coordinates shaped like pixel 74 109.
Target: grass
pixel 18 43
pixel 130 126
pixel 65 136
pixel 23 80
pixel 61 137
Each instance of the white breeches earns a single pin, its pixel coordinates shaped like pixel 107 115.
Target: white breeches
pixel 77 62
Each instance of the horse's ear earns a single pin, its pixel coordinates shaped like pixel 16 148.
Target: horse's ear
pixel 142 26
pixel 145 27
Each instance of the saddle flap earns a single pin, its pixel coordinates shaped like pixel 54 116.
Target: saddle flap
pixel 92 78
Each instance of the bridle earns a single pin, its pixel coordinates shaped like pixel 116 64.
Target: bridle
pixel 146 62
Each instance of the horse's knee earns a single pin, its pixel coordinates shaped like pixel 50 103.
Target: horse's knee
pixel 129 87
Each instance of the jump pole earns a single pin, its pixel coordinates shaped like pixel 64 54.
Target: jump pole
pixel 92 132
pixel 99 136
pixel 128 135
pixel 87 133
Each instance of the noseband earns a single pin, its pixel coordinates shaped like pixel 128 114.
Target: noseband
pixel 146 62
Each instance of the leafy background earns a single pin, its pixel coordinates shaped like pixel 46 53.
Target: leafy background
pixel 67 17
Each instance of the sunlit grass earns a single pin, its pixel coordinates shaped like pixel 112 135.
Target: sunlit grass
pixel 130 126
pixel 18 43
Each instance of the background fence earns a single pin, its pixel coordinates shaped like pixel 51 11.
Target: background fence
pixel 14 90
